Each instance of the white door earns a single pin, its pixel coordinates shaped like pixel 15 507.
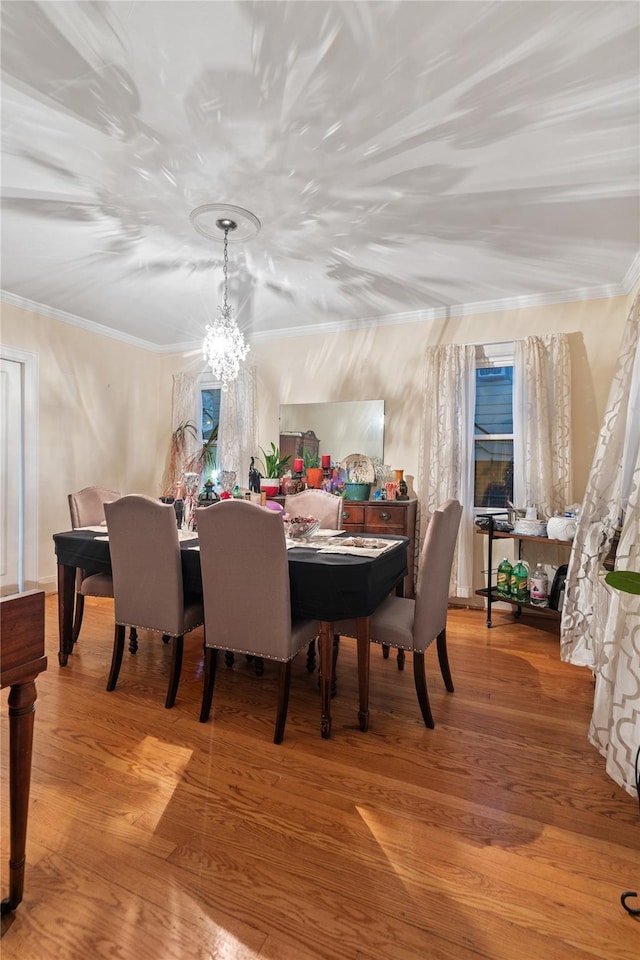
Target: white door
pixel 11 479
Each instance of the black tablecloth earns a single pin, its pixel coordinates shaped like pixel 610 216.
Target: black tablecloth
pixel 324 586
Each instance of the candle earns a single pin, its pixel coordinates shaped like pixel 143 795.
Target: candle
pixel 297 465
pixel 326 460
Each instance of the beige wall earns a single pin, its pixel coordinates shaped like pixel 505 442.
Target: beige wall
pixel 105 406
pixel 387 363
pixel 103 411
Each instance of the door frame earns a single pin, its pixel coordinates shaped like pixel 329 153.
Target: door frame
pixel 29 467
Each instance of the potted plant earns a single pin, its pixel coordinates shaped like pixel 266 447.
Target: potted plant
pixel 357 488
pixel 273 467
pixel 313 469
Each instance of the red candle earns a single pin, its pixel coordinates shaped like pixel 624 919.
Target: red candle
pixel 297 465
pixel 326 460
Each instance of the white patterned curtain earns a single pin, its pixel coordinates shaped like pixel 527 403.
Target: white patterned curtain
pixel 601 627
pixel 446 448
pixel 542 423
pixel 238 429
pixel 186 407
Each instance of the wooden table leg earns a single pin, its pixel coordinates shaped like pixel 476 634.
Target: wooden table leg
pixel 325 639
pixel 22 698
pixel 363 633
pixel 66 592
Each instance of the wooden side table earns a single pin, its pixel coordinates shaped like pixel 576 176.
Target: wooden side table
pixel 21 660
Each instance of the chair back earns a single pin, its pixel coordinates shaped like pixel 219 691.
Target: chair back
pixel 325 507
pixel 434 574
pixel 245 579
pixel 87 506
pixel 145 563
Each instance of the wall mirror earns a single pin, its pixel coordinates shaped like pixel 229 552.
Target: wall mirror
pixel 344 427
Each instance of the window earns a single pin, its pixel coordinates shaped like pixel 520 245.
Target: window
pixel 493 433
pixel 210 419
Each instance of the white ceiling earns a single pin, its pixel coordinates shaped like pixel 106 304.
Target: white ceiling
pixel 401 156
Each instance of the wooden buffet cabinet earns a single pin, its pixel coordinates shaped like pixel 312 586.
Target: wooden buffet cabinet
pixel 385 516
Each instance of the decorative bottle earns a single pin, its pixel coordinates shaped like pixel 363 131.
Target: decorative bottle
pixel 520 582
pixel 504 578
pixel 539 587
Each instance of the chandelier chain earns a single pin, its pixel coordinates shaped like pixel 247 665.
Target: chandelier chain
pixel 225 266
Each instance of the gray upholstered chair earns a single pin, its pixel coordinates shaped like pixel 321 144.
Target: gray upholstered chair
pixel 327 508
pixel 247 604
pixel 147 579
pixel 414 624
pixel 87 510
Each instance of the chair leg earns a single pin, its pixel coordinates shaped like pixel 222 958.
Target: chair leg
pixel 210 660
pixel 421 688
pixel 77 616
pixel 229 658
pixel 258 663
pixel 400 659
pixel 385 651
pixel 311 656
pixel 443 659
pixel 176 669
pixel 133 640
pixel 116 658
pixel 283 701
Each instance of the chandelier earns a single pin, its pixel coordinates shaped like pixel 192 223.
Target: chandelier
pixel 224 347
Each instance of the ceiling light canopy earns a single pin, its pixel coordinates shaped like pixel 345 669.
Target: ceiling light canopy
pixel 224 347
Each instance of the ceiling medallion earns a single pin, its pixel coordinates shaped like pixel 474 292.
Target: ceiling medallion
pixel 205 220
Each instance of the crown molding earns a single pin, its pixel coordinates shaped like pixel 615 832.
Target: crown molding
pixel 54 314
pixel 341 326
pixel 443 313
pixel 632 275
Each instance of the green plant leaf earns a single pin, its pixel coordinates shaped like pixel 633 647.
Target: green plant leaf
pixel 310 459
pixel 271 463
pixel 626 580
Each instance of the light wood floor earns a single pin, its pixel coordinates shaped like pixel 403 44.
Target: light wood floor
pixel 497 835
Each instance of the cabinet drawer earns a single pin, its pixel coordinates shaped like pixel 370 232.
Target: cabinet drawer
pixel 381 519
pixel 352 514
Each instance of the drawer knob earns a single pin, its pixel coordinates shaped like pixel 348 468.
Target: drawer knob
pixel 385 516
pixel 345 514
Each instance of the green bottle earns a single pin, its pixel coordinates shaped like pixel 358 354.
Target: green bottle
pixel 504 578
pixel 520 582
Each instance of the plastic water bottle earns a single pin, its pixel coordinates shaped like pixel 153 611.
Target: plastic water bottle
pixel 504 578
pixel 539 587
pixel 520 582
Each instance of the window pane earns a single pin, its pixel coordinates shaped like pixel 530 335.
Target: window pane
pixel 210 420
pixel 210 412
pixel 494 391
pixel 493 472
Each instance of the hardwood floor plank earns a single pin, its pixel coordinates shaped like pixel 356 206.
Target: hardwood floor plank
pixel 495 836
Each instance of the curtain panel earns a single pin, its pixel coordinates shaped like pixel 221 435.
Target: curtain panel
pixel 446 464
pixel 185 408
pixel 543 472
pixel 238 429
pixel 600 627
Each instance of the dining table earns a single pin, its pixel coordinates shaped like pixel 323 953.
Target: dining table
pixel 324 586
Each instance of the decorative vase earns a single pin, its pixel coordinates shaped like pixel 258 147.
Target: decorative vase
pixel 191 482
pixel 357 491
pixel 315 476
pixel 227 480
pixel 270 486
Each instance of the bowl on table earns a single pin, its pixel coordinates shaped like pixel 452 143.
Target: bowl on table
pixel 530 528
pixel 301 528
